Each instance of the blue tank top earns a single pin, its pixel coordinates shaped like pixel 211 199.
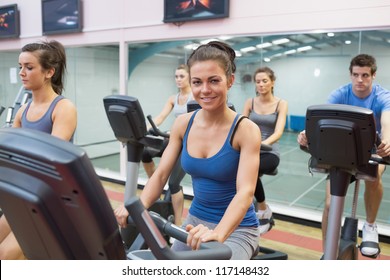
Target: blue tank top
pixel 214 181
pixel 44 124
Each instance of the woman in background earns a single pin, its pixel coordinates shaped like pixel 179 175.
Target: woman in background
pixel 269 113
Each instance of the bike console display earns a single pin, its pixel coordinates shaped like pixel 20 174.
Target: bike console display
pixel 340 136
pixel 53 199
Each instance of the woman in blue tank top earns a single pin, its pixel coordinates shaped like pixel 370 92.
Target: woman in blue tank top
pixel 42 68
pixel 220 150
pixel 269 113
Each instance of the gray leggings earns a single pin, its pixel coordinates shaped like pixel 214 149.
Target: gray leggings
pixel 243 241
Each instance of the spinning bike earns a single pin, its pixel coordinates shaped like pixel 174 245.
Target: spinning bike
pixel 128 123
pixel 340 140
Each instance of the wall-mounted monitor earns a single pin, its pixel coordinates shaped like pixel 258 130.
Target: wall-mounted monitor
pixel 61 16
pixel 9 21
pixel 177 11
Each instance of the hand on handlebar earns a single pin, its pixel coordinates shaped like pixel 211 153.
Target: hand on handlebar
pixel 301 139
pixel 383 149
pixel 199 234
pixel 121 215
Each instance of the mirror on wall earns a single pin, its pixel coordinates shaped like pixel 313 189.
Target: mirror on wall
pixel 307 66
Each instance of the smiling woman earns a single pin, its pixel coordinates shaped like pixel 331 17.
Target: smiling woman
pixel 208 89
pixel 219 149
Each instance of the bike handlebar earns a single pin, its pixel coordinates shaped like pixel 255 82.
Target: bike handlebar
pixel 151 225
pixel 156 130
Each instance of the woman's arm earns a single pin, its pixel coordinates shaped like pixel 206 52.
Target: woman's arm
pixel 64 120
pixel 280 124
pixel 167 109
pixel 157 181
pixel 17 121
pixel 384 148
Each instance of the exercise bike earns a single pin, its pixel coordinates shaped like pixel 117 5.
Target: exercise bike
pixel 127 121
pixel 340 140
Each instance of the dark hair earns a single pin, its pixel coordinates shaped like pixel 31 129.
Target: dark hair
pixel 215 50
pixel 51 55
pixel 363 60
pixel 266 70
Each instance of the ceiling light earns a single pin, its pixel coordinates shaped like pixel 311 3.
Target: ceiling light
pixel 264 45
pixel 348 42
pixel 330 34
pixel 192 46
pixel 305 48
pixel 248 49
pixel 280 41
pixel 267 59
pixel 290 51
pixel 238 53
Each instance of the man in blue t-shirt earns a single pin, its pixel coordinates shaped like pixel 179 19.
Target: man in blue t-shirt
pixel 363 93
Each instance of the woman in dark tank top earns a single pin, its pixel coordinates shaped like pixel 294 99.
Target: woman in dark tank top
pixel 42 69
pixel 269 113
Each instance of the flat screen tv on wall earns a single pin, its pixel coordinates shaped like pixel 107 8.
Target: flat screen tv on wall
pixel 61 16
pixel 9 21
pixel 177 11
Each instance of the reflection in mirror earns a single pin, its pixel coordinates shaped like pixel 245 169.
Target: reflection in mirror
pixel 307 67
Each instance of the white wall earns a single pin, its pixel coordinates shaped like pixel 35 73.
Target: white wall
pixel 134 21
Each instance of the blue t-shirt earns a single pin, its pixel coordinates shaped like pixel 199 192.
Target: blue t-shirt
pixel 378 101
pixel 214 181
